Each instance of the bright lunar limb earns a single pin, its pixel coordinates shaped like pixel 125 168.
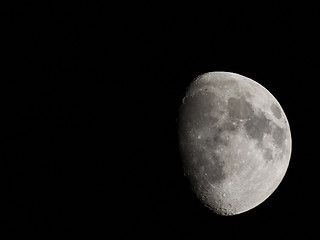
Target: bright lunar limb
pixel 235 141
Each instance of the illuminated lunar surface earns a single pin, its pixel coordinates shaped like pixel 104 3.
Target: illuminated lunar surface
pixel 235 141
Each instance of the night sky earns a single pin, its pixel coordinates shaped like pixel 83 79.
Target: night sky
pixel 90 94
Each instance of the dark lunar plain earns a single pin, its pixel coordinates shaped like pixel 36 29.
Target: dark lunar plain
pixel 90 94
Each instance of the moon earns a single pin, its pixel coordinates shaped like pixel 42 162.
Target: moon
pixel 235 141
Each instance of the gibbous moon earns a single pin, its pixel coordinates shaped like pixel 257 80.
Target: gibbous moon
pixel 235 141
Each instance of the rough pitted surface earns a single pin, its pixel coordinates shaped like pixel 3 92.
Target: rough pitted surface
pixel 198 159
pixel 235 141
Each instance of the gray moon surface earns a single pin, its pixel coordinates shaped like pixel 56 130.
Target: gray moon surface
pixel 235 141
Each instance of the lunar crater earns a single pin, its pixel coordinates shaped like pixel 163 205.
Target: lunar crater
pixel 276 110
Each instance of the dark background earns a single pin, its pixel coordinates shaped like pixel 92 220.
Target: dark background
pixel 89 102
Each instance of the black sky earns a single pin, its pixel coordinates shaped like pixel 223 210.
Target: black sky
pixel 90 96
